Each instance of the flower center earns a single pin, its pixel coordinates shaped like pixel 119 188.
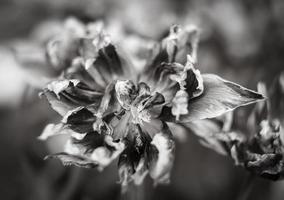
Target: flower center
pixel 137 100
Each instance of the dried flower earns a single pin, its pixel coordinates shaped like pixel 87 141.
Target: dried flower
pixel 112 110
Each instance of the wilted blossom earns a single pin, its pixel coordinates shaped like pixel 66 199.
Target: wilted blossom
pixel 112 109
pixel 260 148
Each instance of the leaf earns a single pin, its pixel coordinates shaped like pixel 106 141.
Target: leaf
pixel 219 97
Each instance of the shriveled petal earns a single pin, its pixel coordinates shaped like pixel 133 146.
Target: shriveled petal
pixel 99 149
pixel 79 119
pixel 182 42
pixel 59 129
pixel 219 97
pixel 108 65
pixel 175 47
pixel 104 155
pixel 133 162
pixel 61 85
pixel 269 166
pixel 125 93
pixel 180 104
pixel 77 160
pixel 161 164
pixel 65 95
pixel 95 39
pixel 78 71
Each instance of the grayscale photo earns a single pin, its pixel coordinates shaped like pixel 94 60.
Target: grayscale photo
pixel 142 100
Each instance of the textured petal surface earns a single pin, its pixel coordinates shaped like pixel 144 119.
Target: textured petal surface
pixel 219 97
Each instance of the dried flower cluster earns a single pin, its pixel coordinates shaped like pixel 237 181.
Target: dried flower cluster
pixel 260 149
pixel 111 109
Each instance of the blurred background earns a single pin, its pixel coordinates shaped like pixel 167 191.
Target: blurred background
pixel 241 40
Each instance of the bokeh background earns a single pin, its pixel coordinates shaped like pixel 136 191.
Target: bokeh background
pixel 241 40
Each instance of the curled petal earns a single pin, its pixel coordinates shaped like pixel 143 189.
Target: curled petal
pixel 79 119
pixel 98 149
pixel 133 161
pixel 78 71
pixel 102 127
pixel 180 103
pixel 125 93
pixel 181 42
pixel 191 85
pixel 175 47
pixel 59 129
pixel 104 155
pixel 161 164
pixel 66 95
pixel 95 40
pixel 61 85
pixel 193 80
pixel 107 66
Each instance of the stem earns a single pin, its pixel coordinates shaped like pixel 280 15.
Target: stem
pixel 246 187
pixel 134 192
pixel 72 184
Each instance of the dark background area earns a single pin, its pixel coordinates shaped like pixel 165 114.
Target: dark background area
pixel 243 41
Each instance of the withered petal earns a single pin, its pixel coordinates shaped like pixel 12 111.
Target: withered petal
pixel 77 160
pixel 80 119
pixel 161 163
pixel 66 95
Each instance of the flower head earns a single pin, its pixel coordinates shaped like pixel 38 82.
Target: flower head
pixel 111 109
